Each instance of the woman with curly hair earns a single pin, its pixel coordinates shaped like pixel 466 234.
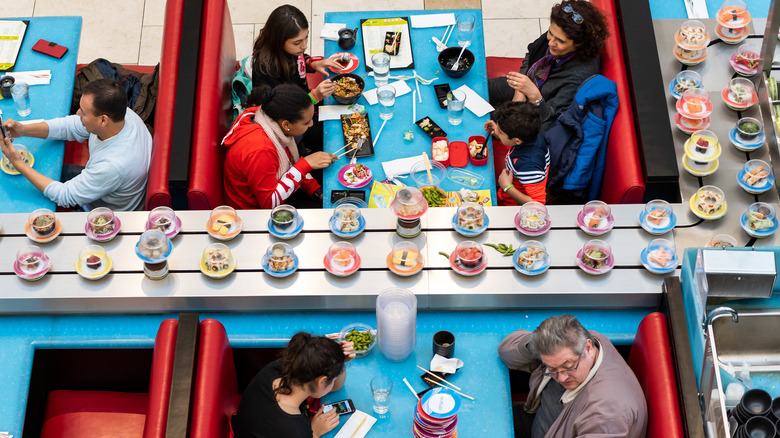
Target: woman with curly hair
pixel 558 62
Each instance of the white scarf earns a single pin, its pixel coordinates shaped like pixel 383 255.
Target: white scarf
pixel 282 142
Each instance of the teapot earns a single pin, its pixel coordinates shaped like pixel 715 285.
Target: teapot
pixel 347 38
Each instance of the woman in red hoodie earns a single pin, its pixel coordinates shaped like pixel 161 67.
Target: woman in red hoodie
pixel 262 165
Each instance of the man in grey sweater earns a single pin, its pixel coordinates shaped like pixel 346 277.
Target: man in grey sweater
pixel 580 386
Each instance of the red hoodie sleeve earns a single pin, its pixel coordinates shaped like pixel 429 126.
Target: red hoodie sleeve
pixel 261 177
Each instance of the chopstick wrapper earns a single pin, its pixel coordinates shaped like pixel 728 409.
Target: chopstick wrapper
pixel 433 20
pixel 351 426
pixel 330 31
pixel 444 365
pixel 475 103
pixel 401 166
pixel 400 89
pixel 35 77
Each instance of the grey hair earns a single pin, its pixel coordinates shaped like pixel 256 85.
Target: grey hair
pixel 559 332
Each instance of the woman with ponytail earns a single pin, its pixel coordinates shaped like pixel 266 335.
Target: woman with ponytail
pixel 263 168
pixel 282 400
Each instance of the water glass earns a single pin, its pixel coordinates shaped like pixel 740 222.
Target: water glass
pixel 381 387
pixel 465 25
pixel 456 104
pixel 381 64
pixel 20 91
pixel 386 95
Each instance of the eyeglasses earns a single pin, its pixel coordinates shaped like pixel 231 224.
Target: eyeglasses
pixel 577 18
pixel 567 371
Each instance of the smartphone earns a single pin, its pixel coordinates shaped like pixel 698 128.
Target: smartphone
pixel 49 48
pixel 342 407
pixel 2 128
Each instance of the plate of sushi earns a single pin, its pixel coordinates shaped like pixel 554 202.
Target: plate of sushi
pixel 658 221
pixel 355 176
pixel 659 260
pixel 595 222
pixel 405 259
pixel 759 220
pixel 756 177
pixel 531 258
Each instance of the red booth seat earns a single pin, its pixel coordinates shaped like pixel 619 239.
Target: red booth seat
pixel 651 360
pixel 107 414
pixel 216 396
pixel 213 106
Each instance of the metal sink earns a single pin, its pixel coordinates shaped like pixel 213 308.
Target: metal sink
pixel 755 339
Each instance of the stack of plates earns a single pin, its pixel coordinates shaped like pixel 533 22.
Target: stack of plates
pixel 436 414
pixel 396 320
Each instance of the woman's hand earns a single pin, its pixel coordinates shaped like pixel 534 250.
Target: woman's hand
pixel 324 423
pixel 348 348
pixel 320 160
pixel 323 64
pixel 505 179
pixel 324 89
pixel 523 84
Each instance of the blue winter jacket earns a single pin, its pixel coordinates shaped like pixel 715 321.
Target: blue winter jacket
pixel 578 139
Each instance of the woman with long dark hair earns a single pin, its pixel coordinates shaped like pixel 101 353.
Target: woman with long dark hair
pixel 281 399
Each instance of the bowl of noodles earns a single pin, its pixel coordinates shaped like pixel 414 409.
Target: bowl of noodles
pixel 349 88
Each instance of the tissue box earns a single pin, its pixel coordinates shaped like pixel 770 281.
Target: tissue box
pixel 736 274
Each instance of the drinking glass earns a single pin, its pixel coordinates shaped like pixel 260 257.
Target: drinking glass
pixel 465 25
pixel 21 94
pixel 456 102
pixel 386 95
pixel 381 64
pixel 381 386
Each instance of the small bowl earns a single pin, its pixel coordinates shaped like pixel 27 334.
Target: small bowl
pixel 280 257
pixel 153 246
pixel 600 213
pixel 283 217
pixel 93 258
pixel 360 328
pixel 745 129
pixel 448 56
pixel 420 175
pixel 709 200
pixel 756 402
pixel 760 216
pixel 6 163
pixel 661 253
pixel 531 255
pixel 405 256
pixel 350 99
pixel 686 79
pixel 101 221
pixel 43 221
pixel 216 258
pixel 469 253
pixel 162 218
pixel 470 216
pixel 409 203
pixel 443 158
pixel 533 216
pixel 346 218
pixel 224 223
pixel 723 241
pixel 740 91
pixel 746 53
pixel 695 100
pixel 479 139
pixel 757 174
pixel 760 427
pixel 30 259
pixel 658 213
pixel 703 146
pixel 692 35
pixel 595 253
pixel 342 258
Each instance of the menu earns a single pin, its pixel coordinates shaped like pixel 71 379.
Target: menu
pixel 11 37
pixel 394 31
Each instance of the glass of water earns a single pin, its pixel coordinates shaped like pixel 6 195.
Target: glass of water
pixel 381 386
pixel 456 103
pixel 386 95
pixel 465 25
pixel 20 91
pixel 381 64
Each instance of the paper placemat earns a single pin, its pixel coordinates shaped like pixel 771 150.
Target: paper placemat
pixel 475 103
pixel 356 427
pixel 433 20
pixel 400 89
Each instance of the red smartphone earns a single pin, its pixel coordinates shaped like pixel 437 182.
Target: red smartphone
pixel 48 48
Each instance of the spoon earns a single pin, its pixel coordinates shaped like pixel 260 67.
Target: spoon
pixel 457 61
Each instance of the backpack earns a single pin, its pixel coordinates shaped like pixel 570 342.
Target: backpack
pixel 241 86
pixel 141 88
pixel 578 142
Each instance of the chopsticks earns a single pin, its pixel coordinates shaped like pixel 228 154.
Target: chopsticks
pixel 408 385
pixel 376 139
pixel 354 434
pixel 448 35
pixel 451 387
pixel 457 392
pixel 417 85
pixel 437 377
pixel 428 169
pixel 356 149
pixel 414 106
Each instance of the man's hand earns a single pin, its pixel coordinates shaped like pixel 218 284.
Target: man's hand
pixel 14 128
pixel 324 423
pixel 490 127
pixel 11 153
pixel 504 179
pixel 348 348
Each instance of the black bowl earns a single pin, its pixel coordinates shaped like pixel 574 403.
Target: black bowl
pixel 756 402
pixel 351 99
pixel 448 56
pixel 774 411
pixel 760 427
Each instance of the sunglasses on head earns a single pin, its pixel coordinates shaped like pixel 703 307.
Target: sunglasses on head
pixel 577 18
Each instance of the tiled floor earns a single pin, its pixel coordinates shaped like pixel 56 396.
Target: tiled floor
pixel 130 31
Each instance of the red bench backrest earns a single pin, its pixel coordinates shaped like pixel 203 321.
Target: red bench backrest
pixel 160 381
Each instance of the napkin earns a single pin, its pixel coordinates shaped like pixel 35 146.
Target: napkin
pixel 334 112
pixel 356 426
pixel 475 103
pixel 400 166
pixel 330 31
pixel 433 20
pixel 444 365
pixel 400 89
pixel 35 77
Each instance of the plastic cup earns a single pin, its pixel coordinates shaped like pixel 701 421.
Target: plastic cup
pixel 456 104
pixel 723 241
pixel 30 259
pixel 386 95
pixel 101 221
pixel 20 91
pixel 381 388
pixel 162 218
pixel 93 258
pixel 381 65
pixel 283 217
pixel 465 26
pixel 42 221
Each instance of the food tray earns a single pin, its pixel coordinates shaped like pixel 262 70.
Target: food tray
pixel 368 144
pixel 433 129
pixel 459 154
pixel 441 94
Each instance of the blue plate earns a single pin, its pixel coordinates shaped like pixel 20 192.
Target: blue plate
pixel 165 256
pixel 755 190
pixel 429 401
pixel 654 230
pixel 743 145
pixel 351 234
pixel 290 234
pixel 469 233
pixel 268 270
pixel 542 269
pixel 653 269
pixel 755 233
pixel 675 94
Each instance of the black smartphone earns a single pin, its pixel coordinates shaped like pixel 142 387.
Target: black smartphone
pixel 335 195
pixel 2 128
pixel 342 407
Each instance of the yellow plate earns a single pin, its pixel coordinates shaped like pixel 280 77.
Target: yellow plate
pixel 91 274
pixel 689 150
pixel 712 167
pixel 10 171
pixel 221 274
pixel 707 217
pixel 238 226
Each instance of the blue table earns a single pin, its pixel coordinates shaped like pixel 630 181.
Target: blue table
pixel 391 144
pixel 48 102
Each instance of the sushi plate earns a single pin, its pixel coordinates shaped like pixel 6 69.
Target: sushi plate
pixel 279 274
pixel 608 265
pixel 712 153
pixel 469 233
pixel 219 274
pixel 4 166
pixel 354 62
pixel 686 127
pixel 540 269
pixel 467 272
pixel 756 233
pixel 653 268
pixel 35 237
pixel 104 237
pixel 288 235
pixel 708 217
pixel 404 272
pixel 740 69
pixel 666 225
pixel 739 34
pixel 712 167
pixel 172 231
pixel 746 146
pixel 238 225
pixel 531 233
pixel 32 276
pixel 675 94
pixel 680 106
pixel 347 235
pixel 604 227
pixel 346 273
pixel 147 260
pixel 769 182
pixel 94 274
pixel 736 106
pixel 342 177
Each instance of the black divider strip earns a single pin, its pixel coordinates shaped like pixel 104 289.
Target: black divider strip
pixel 183 378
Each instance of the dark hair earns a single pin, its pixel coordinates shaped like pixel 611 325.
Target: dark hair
pixel 283 102
pixel 108 97
pixel 268 55
pixel 306 358
pixel 588 36
pixel 518 120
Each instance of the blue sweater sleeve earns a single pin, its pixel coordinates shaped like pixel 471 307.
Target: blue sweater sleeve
pixel 67 128
pixel 94 182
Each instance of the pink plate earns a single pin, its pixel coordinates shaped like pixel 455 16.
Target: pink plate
pixel 529 232
pixel 594 231
pixel 354 62
pixel 468 272
pixel 106 237
pixel 610 263
pixel 361 183
pixel 739 68
pixel 34 275
pixel 172 232
pixel 683 126
pixel 700 115
pixel 346 273
pixel 725 95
